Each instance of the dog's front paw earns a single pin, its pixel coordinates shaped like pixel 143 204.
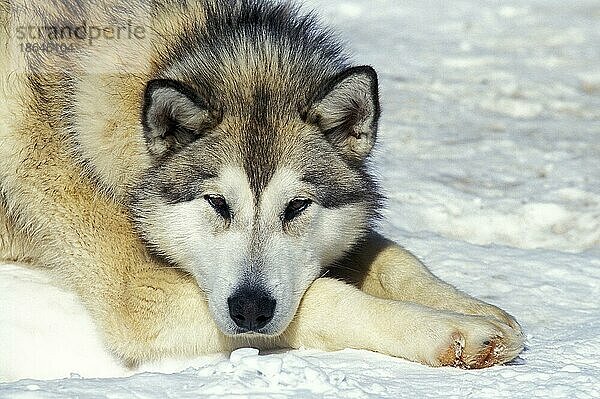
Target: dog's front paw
pixel 485 309
pixel 478 342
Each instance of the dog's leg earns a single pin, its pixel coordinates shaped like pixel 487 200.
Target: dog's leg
pixel 160 313
pixel 384 269
pixel 334 315
pixel 144 308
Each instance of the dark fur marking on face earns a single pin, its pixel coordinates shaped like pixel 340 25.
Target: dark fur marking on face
pixel 183 190
pixel 260 155
pixel 181 176
pixel 333 192
pixel 185 187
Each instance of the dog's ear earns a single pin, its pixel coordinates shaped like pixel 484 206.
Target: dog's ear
pixel 347 111
pixel 173 116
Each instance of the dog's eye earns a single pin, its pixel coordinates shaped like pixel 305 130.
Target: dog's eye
pixel 295 207
pixel 219 205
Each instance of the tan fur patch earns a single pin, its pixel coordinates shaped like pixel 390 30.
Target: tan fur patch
pixel 452 356
pixel 488 355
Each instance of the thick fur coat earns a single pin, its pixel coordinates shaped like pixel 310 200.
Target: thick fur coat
pixel 219 149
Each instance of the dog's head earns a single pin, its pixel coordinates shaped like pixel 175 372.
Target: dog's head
pixel 255 195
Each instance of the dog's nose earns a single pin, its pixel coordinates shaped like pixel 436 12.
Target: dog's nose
pixel 251 309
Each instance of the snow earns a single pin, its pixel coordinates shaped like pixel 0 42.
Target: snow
pixel 490 158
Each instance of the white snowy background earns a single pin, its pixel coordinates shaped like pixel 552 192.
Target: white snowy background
pixel 489 154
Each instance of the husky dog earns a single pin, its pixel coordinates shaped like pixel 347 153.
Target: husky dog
pixel 202 185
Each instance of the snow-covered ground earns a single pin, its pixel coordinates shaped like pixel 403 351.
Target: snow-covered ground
pixel 490 158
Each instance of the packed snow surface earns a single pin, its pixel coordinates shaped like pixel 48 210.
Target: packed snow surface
pixel 489 155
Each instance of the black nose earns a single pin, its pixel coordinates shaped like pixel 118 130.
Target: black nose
pixel 251 309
